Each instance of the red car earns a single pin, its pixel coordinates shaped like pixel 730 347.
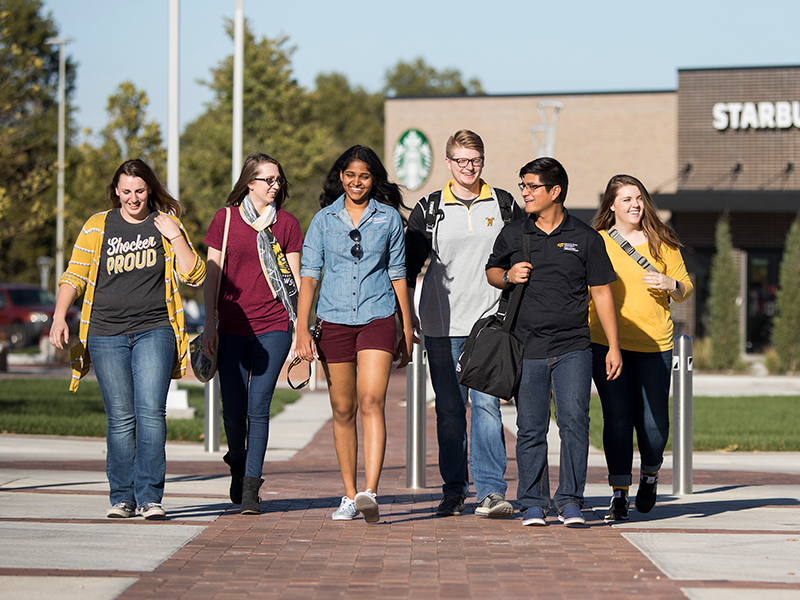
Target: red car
pixel 26 312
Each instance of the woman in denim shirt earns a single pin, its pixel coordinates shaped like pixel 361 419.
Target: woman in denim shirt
pixel 358 238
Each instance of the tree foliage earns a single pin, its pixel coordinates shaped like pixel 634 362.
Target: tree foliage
pixel 28 136
pixel 128 135
pixel 278 120
pixel 724 325
pixel 353 115
pixel 786 327
pixel 420 79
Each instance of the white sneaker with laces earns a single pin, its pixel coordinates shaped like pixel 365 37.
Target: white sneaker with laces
pixel 151 510
pixel 347 510
pixel 367 504
pixel 121 510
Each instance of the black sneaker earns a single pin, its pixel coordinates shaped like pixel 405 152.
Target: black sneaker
pixel 646 495
pixel 618 511
pixel 450 506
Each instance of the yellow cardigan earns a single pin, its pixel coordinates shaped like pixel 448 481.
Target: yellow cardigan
pixel 645 323
pixel 81 274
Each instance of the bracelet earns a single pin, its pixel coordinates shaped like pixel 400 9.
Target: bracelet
pixel 675 289
pixel 175 238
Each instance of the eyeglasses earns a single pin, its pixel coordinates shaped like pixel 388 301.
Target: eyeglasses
pixel 357 251
pixel 462 163
pixel 270 181
pixel 532 187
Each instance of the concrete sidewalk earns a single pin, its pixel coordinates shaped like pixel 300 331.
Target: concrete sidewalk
pixel 735 537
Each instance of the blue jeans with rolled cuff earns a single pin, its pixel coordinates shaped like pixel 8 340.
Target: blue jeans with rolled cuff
pixel 638 400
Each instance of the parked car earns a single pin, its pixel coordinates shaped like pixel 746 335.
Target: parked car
pixel 26 312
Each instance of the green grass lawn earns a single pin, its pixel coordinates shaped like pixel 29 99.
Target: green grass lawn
pixel 47 407
pixel 742 423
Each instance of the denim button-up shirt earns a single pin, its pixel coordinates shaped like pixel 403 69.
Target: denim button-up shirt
pixel 355 291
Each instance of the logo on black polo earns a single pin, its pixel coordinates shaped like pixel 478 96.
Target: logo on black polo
pixel 568 246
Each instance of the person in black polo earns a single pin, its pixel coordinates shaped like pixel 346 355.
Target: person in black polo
pixel 568 261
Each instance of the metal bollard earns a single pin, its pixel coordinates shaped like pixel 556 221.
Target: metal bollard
pixel 416 404
pixel 212 417
pixel 682 415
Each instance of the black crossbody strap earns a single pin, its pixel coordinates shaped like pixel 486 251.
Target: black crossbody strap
pixel 516 295
pixel 630 250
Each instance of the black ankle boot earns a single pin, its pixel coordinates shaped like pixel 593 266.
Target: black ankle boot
pixel 251 503
pixel 237 474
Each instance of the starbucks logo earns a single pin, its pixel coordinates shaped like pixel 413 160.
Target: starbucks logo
pixel 412 159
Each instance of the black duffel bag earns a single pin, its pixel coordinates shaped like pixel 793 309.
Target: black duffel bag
pixel 492 358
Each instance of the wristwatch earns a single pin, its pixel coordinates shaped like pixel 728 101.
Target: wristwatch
pixel 505 277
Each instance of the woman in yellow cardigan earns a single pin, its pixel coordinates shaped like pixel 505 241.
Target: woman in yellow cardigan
pixel 639 398
pixel 127 262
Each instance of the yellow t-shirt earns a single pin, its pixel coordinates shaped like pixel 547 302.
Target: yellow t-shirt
pixel 645 324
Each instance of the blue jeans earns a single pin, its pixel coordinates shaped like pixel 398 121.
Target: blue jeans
pixel 569 379
pixel 249 366
pixel 637 400
pixel 134 372
pixel 487 457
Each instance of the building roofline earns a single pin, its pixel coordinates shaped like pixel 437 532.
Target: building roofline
pixel 740 68
pixel 532 95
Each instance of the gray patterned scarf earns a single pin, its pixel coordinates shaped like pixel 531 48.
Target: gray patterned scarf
pixel 273 260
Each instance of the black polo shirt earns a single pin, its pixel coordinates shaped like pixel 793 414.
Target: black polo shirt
pixel 553 315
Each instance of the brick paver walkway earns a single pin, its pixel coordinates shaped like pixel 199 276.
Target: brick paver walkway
pixel 294 549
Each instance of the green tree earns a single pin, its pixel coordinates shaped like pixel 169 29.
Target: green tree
pixel 279 119
pixel 420 79
pixel 128 135
pixel 353 115
pixel 724 326
pixel 786 326
pixel 28 136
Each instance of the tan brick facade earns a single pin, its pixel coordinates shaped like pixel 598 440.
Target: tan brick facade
pixel 597 136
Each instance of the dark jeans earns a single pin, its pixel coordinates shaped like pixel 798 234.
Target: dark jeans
pixel 569 379
pixel 249 366
pixel 637 400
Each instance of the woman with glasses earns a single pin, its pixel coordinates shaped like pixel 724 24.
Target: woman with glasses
pixel 255 313
pixel 127 263
pixel 357 240
pixel 638 400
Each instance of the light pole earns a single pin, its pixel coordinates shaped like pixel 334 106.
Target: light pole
pixel 238 87
pixel 62 75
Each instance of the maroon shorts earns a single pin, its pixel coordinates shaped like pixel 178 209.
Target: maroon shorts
pixel 341 343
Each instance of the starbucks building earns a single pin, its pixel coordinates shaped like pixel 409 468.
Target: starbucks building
pixel 727 140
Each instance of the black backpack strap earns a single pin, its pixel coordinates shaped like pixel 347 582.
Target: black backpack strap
pixel 432 214
pixel 506 203
pixel 519 288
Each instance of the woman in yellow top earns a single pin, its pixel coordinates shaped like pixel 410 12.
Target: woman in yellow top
pixel 127 262
pixel 639 398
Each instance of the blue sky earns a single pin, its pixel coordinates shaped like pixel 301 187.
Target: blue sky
pixel 512 46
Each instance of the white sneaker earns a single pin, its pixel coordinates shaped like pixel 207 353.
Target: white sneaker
pixel 347 510
pixel 151 510
pixel 121 510
pixel 367 504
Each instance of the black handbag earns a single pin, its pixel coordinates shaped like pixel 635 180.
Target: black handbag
pixel 204 366
pixel 492 358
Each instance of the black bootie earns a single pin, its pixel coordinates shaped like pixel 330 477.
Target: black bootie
pixel 251 503
pixel 237 474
